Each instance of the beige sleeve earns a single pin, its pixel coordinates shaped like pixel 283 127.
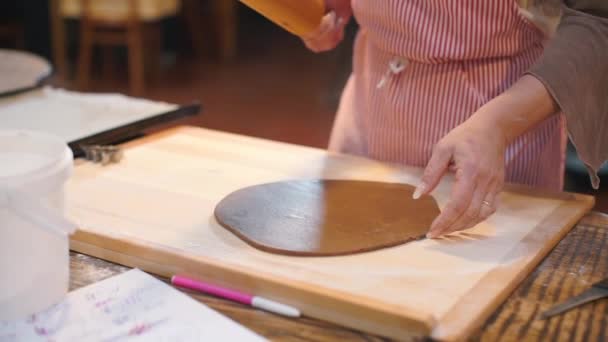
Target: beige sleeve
pixel 574 68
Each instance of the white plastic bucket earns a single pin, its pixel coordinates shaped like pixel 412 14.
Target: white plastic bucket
pixel 34 248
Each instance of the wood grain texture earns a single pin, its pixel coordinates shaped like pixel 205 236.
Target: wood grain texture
pixel 578 260
pixel 572 267
pixel 566 215
pixel 326 217
pixel 154 210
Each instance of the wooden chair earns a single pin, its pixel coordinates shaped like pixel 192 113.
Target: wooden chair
pixel 222 33
pixel 107 23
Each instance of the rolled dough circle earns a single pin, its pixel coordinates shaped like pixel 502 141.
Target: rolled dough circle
pixel 326 217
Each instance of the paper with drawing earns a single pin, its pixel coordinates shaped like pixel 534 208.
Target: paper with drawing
pixel 132 306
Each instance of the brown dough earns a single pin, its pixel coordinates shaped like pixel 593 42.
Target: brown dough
pixel 326 217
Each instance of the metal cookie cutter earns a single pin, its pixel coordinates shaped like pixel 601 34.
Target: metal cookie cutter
pixel 102 154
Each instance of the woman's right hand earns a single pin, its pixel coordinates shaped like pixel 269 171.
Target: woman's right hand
pixel 331 30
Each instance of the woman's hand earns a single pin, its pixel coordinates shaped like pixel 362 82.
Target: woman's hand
pixel 476 154
pixel 331 30
pixel 475 150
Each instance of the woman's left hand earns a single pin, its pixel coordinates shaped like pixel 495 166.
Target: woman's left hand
pixel 475 151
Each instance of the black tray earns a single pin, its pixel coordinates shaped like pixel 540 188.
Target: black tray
pixel 134 129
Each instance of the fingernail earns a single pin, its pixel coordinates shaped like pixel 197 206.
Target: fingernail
pixel 431 234
pixel 433 230
pixel 419 191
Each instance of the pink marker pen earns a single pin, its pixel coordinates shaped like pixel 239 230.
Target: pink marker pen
pixel 236 296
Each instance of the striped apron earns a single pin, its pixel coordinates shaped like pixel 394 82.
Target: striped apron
pixel 422 67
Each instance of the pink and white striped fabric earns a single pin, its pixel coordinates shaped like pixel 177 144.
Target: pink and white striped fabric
pixel 422 67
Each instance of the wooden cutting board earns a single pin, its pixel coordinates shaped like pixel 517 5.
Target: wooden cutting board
pixel 154 210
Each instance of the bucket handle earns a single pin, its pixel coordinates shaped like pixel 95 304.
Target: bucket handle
pixel 33 210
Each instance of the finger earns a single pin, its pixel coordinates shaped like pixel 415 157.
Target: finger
pixel 342 8
pixel 483 205
pixel 471 215
pixel 322 45
pixel 317 40
pixel 334 36
pixel 460 199
pixel 340 24
pixel 485 180
pixel 435 169
pixel 491 199
pixel 328 23
pixel 328 41
pixel 487 209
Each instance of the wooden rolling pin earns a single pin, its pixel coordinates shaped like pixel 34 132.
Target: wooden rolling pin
pixel 299 17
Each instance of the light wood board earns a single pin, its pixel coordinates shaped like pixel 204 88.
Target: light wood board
pixel 154 210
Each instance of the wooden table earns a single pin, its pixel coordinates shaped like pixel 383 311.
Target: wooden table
pixel 580 259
